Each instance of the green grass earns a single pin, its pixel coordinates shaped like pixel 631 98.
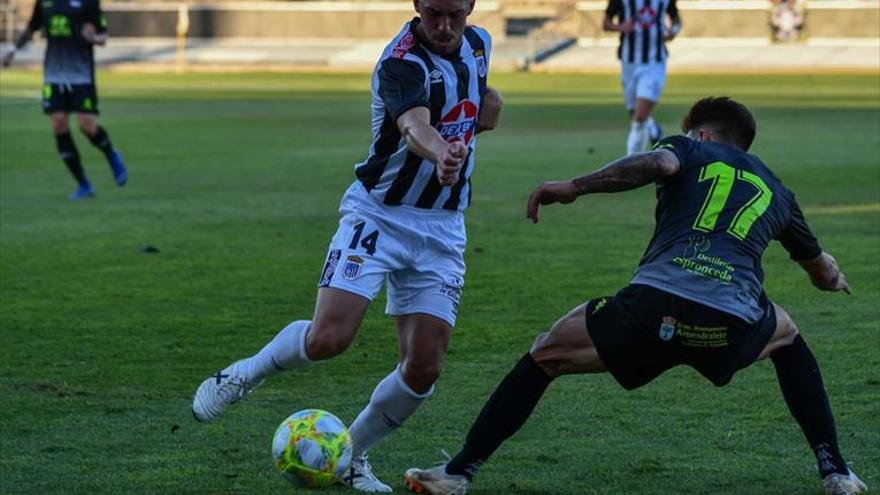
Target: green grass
pixel 236 179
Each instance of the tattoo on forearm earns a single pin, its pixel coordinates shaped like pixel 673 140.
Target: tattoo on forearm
pixel 627 173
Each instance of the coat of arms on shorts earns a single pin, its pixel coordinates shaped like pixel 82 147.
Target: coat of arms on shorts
pixel 667 328
pixel 352 267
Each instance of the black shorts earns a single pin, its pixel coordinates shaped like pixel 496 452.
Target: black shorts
pixel 642 332
pixel 70 98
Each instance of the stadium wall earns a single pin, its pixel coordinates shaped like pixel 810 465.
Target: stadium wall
pixel 351 20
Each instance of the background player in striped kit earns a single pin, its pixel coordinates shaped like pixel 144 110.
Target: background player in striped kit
pixel 71 29
pixel 401 223
pixel 642 53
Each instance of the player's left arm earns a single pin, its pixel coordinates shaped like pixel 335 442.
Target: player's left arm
pixel 626 173
pixel 94 30
pixel 798 239
pixel 490 110
pixel 675 21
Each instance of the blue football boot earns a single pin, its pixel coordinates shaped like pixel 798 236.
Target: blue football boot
pixel 83 191
pixel 120 173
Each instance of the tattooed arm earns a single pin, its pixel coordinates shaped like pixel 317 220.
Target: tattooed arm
pixel 623 174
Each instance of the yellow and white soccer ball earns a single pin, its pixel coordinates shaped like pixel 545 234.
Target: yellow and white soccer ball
pixel 311 448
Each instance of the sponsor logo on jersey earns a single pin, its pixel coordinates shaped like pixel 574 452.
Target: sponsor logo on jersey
pixel 459 123
pixel 436 76
pixel 667 328
pixel 329 267
pixel 352 267
pixel 646 17
pixel 403 46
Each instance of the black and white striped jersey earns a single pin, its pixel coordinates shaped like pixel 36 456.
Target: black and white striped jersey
pixel 409 75
pixel 645 44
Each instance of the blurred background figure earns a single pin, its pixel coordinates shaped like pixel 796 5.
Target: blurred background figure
pixel 71 30
pixel 786 20
pixel 642 53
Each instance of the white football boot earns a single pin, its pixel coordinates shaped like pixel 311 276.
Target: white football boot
pixel 219 391
pixel 360 477
pixel 435 481
pixel 841 484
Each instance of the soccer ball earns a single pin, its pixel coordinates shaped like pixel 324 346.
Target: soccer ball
pixel 311 448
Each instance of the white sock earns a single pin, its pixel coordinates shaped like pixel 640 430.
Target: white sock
pixel 638 137
pixel 652 129
pixel 390 405
pixel 286 351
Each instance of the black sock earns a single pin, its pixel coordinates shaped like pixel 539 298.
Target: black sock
pixel 101 140
pixel 804 392
pixel 503 415
pixel 70 155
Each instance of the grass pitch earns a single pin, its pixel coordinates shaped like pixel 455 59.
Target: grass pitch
pixel 236 178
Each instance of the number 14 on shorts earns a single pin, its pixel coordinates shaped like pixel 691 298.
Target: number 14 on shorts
pixel 367 242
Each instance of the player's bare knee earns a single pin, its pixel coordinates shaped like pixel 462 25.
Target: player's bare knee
pixel 787 328
pixel 420 375
pixel 549 355
pixel 542 341
pixel 325 344
pixel 60 126
pixel 87 126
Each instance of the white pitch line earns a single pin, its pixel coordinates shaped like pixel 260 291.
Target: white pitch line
pixel 842 209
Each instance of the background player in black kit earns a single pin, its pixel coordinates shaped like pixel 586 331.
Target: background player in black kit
pixel 696 298
pixel 71 29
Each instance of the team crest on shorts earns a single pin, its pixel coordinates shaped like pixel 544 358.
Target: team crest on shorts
pixel 352 267
pixel 667 328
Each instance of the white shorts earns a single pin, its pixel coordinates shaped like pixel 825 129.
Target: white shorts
pixel 419 252
pixel 643 81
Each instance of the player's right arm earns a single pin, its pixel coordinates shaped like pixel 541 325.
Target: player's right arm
pixel 402 88
pixel 803 247
pixel 425 141
pixel 626 173
pixel 615 10
pixel 34 25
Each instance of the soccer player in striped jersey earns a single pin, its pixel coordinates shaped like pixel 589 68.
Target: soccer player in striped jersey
pixel 642 52
pixel 71 29
pixel 402 223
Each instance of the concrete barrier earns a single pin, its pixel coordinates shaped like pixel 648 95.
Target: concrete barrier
pixel 350 20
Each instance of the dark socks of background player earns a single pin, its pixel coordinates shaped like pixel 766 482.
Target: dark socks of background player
pixel 804 392
pixel 70 155
pixel 506 411
pixel 101 140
